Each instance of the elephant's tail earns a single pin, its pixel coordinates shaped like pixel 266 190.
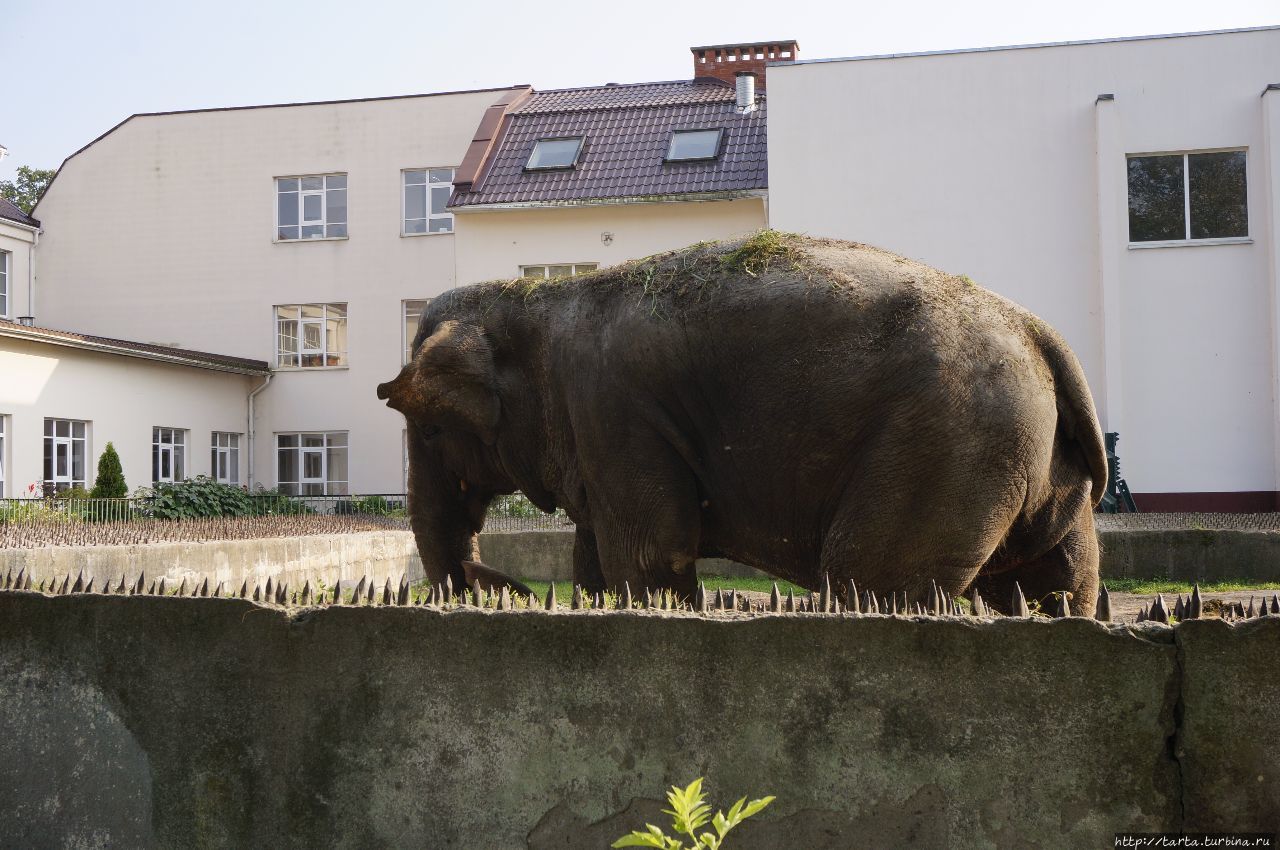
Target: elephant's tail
pixel 1077 418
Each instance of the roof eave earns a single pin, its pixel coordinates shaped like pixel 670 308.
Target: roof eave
pixel 621 200
pixel 105 348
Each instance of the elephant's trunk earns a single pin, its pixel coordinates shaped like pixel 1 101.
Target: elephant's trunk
pixel 445 513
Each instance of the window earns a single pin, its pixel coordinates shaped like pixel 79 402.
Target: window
pixel 694 144
pixel 4 284
pixel 312 464
pixel 1188 196
pixel 2 423
pixel 554 153
pixel 224 457
pixel 168 455
pixel 562 270
pixel 64 454
pixel 412 315
pixel 311 207
pixel 311 335
pixel 426 199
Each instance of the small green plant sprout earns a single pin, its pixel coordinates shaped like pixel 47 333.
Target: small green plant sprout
pixel 690 811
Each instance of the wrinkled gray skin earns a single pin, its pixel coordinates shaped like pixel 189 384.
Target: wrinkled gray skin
pixel 839 410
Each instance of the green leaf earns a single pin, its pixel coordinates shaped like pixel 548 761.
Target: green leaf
pixel 688 809
pixel 653 838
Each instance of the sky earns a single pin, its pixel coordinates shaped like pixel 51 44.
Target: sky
pixel 85 66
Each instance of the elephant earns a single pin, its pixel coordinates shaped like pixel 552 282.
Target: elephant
pixel 819 409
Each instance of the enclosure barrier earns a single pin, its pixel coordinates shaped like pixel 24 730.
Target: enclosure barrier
pixel 421 718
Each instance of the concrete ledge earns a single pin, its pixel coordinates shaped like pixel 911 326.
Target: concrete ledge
pixel 141 721
pixel 1204 555
pixel 327 557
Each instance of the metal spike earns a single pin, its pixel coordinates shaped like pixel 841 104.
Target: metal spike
pixel 369 594
pixel 257 593
pixel 282 593
pixel 306 592
pixel 576 603
pixel 597 601
pixel 26 585
pixel 550 603
pixel 1158 612
pixel 851 600
pixel 182 588
pixel 1195 608
pixel 88 588
pixel 664 600
pixel 1177 607
pixel 825 597
pixel 1142 615
pixel 1019 607
pixel 161 587
pixel 1103 613
pixel 835 606
pixel 775 600
pixel 78 587
pixel 121 588
pixel 42 581
pixel 271 588
pixel 402 593
pixel 1275 603
pixel 15 583
pixel 386 592
pixel 648 598
pixel 875 604
pixel 151 591
pixel 477 594
pixel 1063 609
pixel 700 598
pixel 720 599
pixel 204 587
pixel 791 600
pixel 244 589
pixel 979 607
pixel 142 583
pixel 504 599
pixel 626 596
pixel 358 593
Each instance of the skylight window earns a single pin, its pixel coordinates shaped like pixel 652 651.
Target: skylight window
pixel 554 153
pixel 694 144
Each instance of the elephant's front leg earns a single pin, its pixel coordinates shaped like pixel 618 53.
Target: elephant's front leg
pixel 586 561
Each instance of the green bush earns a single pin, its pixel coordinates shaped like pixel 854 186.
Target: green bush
pixel 203 497
pixel 515 505
pixel 110 481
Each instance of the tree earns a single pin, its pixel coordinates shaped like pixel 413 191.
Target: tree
pixel 110 482
pixel 27 188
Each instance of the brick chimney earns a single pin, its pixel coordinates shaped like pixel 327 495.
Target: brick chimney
pixel 725 61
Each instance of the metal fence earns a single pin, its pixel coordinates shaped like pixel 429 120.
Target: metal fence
pixel 31 523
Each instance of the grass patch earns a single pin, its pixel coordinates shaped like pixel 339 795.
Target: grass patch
pixel 1152 586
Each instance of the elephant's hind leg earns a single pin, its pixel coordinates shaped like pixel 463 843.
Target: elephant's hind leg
pixel 1071 566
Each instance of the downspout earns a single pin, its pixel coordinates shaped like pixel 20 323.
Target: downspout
pixel 250 432
pixel 31 275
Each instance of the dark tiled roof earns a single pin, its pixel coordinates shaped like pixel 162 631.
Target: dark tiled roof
pixel 11 211
pixel 165 353
pixel 627 130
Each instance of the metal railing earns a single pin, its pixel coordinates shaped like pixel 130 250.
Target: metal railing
pixel 34 522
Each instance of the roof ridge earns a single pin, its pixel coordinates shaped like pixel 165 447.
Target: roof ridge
pixel 177 352
pixel 690 81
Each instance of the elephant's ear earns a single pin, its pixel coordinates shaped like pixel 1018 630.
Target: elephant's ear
pixel 455 370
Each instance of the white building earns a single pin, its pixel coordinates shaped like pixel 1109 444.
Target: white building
pixel 310 235
pixel 1124 190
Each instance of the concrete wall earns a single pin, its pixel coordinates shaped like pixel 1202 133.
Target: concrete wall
pixel 495 244
pixel 188 254
pixel 329 558
pixel 122 399
pixel 217 723
pixel 1005 166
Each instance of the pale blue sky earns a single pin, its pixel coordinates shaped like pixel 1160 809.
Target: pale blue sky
pixel 88 65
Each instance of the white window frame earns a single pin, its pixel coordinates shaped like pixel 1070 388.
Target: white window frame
pixel 301 351
pixel 328 487
pixel 174 449
pixel 323 221
pixel 407 334
pixel 224 450
pixel 55 482
pixel 1186 201
pixel 428 186
pixel 545 273
pixel 6 272
pixel 4 482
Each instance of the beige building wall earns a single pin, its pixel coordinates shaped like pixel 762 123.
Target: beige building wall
pixel 163 231
pixel 495 244
pixel 1004 165
pixel 121 398
pixel 17 241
